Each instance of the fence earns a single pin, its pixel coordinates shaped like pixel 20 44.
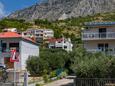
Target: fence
pixel 95 82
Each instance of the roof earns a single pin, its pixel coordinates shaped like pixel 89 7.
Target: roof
pixel 53 40
pixel 99 23
pixel 14 35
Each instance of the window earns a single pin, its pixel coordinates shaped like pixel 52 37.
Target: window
pixel 59 41
pixel 65 47
pixel 14 46
pixel 37 34
pixel 102 32
pixel 25 33
pixel 59 47
pixel 41 34
pixel 4 46
pixel 52 47
pixel 103 47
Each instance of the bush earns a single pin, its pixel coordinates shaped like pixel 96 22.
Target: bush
pixel 63 74
pixel 49 60
pixel 46 78
pixel 33 65
pixel 39 85
pixel 92 65
pixel 53 74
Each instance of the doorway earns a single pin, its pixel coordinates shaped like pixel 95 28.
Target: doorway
pixel 102 32
pixel 103 47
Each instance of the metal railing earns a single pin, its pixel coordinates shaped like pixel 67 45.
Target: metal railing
pixel 106 51
pixel 92 36
pixel 95 82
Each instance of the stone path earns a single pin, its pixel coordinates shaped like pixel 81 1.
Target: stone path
pixel 69 81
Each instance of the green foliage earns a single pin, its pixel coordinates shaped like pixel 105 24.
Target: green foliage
pixel 42 22
pixel 39 85
pixel 63 74
pixel 13 23
pixel 49 60
pixel 84 64
pixel 46 78
pixel 53 74
pixel 33 65
pixel 88 65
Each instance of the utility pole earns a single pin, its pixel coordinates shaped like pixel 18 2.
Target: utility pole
pixel 26 78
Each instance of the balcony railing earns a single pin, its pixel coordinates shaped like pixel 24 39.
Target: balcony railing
pixel 94 36
pixel 109 51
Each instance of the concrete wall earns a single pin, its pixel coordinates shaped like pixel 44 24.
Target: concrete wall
pixel 27 49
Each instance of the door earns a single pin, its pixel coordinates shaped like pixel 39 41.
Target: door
pixel 103 47
pixel 102 32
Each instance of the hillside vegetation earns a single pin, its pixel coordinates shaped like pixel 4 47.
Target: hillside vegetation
pixel 68 28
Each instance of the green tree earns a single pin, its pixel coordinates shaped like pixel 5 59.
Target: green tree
pixel 49 60
pixel 33 65
pixel 92 65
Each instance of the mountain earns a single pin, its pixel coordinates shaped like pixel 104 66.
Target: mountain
pixel 62 9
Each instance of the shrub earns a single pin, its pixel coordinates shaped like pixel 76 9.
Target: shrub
pixel 39 85
pixel 53 74
pixel 63 74
pixel 49 60
pixel 46 78
pixel 92 65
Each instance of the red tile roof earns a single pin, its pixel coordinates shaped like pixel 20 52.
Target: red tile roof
pixel 13 35
pixel 9 35
pixel 53 40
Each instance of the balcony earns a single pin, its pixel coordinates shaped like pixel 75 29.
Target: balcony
pixel 107 51
pixel 98 36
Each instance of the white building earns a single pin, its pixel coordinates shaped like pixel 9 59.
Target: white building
pixel 39 34
pixel 62 43
pixel 10 30
pixel 99 37
pixel 25 47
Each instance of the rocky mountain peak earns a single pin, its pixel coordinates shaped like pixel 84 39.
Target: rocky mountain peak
pixel 56 9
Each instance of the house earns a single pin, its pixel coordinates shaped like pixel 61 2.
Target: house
pixel 39 34
pixel 99 37
pixel 25 47
pixel 62 43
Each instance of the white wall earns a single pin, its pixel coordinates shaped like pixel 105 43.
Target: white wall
pixel 27 49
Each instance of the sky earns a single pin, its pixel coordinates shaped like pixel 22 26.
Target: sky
pixel 9 6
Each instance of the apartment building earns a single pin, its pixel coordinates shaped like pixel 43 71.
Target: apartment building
pixel 99 37
pixel 39 34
